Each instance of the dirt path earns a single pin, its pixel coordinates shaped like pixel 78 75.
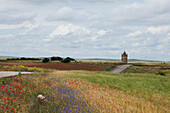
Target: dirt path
pixel 11 73
pixel 120 69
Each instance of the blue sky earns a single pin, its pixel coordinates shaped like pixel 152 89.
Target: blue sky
pixel 86 29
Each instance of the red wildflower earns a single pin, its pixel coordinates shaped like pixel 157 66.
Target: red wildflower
pixel 19 104
pixel 2 87
pixel 2 107
pixel 8 98
pixel 57 105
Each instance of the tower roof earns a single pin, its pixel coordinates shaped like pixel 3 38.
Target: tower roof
pixel 124 53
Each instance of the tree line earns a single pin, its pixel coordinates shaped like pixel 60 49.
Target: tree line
pixel 62 60
pixel 45 60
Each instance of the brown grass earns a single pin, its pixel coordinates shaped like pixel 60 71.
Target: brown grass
pixel 108 99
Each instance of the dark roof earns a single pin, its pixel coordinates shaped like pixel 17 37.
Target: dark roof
pixel 124 53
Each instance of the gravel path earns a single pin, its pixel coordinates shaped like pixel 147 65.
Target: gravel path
pixel 11 73
pixel 120 69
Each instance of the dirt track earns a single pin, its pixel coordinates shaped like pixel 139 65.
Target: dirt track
pixel 60 66
pixel 11 73
pixel 120 69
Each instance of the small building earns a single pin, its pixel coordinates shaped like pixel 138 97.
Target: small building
pixel 124 57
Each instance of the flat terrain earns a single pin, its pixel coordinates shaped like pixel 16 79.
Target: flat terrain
pixel 142 88
pixel 147 68
pixel 61 66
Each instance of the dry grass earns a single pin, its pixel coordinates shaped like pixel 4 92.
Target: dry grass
pixel 108 99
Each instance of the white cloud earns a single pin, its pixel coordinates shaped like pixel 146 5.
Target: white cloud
pixel 11 17
pixel 102 32
pixel 68 14
pixel 16 26
pixel 166 40
pixel 62 14
pixel 93 38
pixel 168 34
pixel 134 34
pixel 67 1
pixel 6 36
pixel 157 30
pixel 142 12
pixel 29 28
pixel 69 28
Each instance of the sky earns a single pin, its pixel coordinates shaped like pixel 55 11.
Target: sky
pixel 85 28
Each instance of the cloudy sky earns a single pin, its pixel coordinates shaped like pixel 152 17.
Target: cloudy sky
pixel 85 28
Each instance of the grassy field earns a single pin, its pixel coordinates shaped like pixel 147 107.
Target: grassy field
pixel 87 91
pixel 152 88
pixel 152 68
pixel 23 68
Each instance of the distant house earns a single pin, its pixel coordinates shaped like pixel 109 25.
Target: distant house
pixel 124 57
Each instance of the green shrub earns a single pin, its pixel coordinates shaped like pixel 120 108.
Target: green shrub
pixel 65 61
pixel 161 73
pixel 56 58
pixel 71 59
pixel 45 60
pixel 110 68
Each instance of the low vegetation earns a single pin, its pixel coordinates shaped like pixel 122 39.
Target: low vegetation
pixel 20 95
pixel 86 91
pixel 153 68
pixel 62 60
pixel 24 68
pixel 56 59
pixel 23 58
pixel 45 60
pixel 110 68
pixel 120 92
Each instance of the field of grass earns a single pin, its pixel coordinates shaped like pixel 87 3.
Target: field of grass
pixel 23 68
pixel 152 88
pixel 86 91
pixel 147 68
pixel 20 95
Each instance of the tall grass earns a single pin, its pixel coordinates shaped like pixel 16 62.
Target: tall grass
pixel 86 91
pixel 20 95
pixel 154 89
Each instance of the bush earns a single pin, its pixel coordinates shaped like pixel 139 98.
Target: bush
pixel 45 60
pixel 56 58
pixel 161 73
pixel 12 58
pixel 65 60
pixel 71 59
